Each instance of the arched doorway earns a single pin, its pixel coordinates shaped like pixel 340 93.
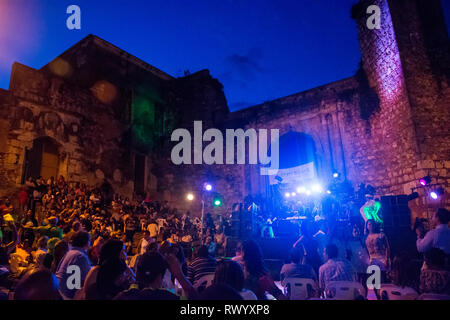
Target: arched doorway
pixel 298 166
pixel 297 158
pixel 42 159
pixel 295 149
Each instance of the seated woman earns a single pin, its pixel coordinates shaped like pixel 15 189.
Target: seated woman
pixel 111 279
pixel 150 271
pixel 434 277
pixel 257 278
pixel 111 249
pixel 230 273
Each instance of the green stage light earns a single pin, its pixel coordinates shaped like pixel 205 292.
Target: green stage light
pixel 217 202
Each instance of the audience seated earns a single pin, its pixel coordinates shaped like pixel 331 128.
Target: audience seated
pixel 297 268
pixel 202 264
pixel 256 275
pixel 230 273
pixel 434 276
pixel 150 270
pixel 221 292
pixel 38 285
pixel 334 269
pixel 138 251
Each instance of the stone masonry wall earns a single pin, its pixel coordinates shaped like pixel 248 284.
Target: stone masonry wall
pixel 86 131
pixel 424 49
pixel 405 136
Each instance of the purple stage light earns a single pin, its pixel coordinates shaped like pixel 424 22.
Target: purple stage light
pixel 437 192
pixel 425 180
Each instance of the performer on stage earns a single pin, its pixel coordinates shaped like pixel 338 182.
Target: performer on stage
pixel 267 227
pixel 370 210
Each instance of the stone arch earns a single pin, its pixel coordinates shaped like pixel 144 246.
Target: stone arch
pixel 313 127
pixel 50 123
pixel 296 148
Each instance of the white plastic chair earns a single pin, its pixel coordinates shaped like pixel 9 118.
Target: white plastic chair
pixel 344 290
pixel 394 292
pixel 204 282
pixel 433 296
pixel 297 288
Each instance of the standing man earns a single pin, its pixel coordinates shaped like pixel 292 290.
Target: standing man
pixel 439 237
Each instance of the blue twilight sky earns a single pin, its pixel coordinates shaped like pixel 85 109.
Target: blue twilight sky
pixel 259 50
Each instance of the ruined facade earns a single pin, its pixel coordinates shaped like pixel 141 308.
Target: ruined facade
pixel 388 125
pixel 96 112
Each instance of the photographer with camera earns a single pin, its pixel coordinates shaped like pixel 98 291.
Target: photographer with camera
pixel 439 237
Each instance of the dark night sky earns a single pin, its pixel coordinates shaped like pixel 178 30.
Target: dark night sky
pixel 259 50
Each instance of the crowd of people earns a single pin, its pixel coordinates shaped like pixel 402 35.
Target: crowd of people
pixel 349 252
pixel 69 241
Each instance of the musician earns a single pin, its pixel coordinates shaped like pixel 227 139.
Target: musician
pixel 268 227
pixel 371 209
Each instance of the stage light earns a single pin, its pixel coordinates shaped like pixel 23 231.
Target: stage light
pixel 308 193
pixel 190 196
pixel 293 194
pixel 425 180
pixel 328 191
pixel 207 186
pixel 217 203
pixel 336 175
pixel 301 189
pixel 287 194
pixel 436 193
pixel 317 188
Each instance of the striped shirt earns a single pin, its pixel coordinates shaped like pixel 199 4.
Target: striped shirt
pixel 200 267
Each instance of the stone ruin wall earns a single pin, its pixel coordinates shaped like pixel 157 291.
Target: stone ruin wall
pixel 405 138
pixel 198 97
pixel 414 111
pixel 87 132
pixel 425 55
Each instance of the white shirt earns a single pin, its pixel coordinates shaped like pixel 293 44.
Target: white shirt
pixel 439 237
pixel 153 229
pixel 144 245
